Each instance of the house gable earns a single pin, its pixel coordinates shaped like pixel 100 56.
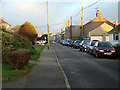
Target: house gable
pixel 95 23
pixel 102 29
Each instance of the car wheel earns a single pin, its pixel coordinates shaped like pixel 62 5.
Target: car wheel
pixel 82 50
pixel 96 55
pixel 90 52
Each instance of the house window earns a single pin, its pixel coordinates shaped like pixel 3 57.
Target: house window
pixel 115 36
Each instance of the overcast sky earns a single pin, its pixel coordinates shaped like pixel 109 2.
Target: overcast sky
pixel 19 11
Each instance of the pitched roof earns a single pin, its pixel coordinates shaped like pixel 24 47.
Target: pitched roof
pixel 102 28
pixel 116 22
pixel 115 30
pixel 96 22
pixel 16 27
pixel 2 21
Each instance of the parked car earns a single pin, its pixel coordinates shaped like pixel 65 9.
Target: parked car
pixel 72 43
pixel 40 43
pixel 90 46
pixel 53 42
pixel 69 42
pixel 61 41
pixel 103 49
pixel 76 44
pixel 64 42
pixel 83 45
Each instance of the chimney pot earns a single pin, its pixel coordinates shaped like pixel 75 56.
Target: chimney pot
pixel 98 14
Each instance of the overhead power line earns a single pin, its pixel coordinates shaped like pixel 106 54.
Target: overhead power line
pixel 86 7
pixel 72 16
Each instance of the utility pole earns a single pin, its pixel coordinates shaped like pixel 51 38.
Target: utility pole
pixel 48 24
pixel 0 16
pixel 82 21
pixel 71 27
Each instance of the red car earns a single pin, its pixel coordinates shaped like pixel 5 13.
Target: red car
pixel 103 49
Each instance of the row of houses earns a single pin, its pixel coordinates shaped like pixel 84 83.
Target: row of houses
pixel 97 29
pixel 7 26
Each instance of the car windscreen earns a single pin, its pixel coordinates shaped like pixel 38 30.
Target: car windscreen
pixel 77 41
pixel 104 44
pixel 70 41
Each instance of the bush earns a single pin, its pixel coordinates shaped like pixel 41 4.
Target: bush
pixel 117 49
pixel 3 29
pixel 20 42
pixel 18 58
pixel 7 40
pixel 28 31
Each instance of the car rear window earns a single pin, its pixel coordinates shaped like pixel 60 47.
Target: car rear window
pixel 86 42
pixel 92 43
pixel 77 41
pixel 104 44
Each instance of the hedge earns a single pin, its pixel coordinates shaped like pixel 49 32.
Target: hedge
pixel 18 58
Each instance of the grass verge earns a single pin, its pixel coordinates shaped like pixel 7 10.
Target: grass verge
pixel 38 49
pixel 8 72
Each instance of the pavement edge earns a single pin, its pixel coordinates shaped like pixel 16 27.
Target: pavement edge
pixel 66 80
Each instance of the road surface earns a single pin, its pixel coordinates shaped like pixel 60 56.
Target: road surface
pixel 85 71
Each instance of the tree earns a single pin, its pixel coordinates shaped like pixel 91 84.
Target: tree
pixel 43 37
pixel 28 31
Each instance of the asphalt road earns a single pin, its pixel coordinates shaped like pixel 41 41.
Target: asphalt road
pixel 86 71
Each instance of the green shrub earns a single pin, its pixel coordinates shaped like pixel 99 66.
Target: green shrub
pixel 3 29
pixel 7 40
pixel 20 42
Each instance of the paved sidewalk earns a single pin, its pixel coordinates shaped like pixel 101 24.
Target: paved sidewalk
pixel 47 73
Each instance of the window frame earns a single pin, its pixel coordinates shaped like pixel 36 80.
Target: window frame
pixel 116 36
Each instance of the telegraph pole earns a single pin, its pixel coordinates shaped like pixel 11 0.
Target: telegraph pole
pixel 48 25
pixel 71 27
pixel 82 21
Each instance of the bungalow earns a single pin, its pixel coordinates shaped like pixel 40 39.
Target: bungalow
pixel 115 35
pixel 97 28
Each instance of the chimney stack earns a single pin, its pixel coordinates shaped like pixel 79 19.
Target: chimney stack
pixel 61 30
pixel 68 23
pixel 98 14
